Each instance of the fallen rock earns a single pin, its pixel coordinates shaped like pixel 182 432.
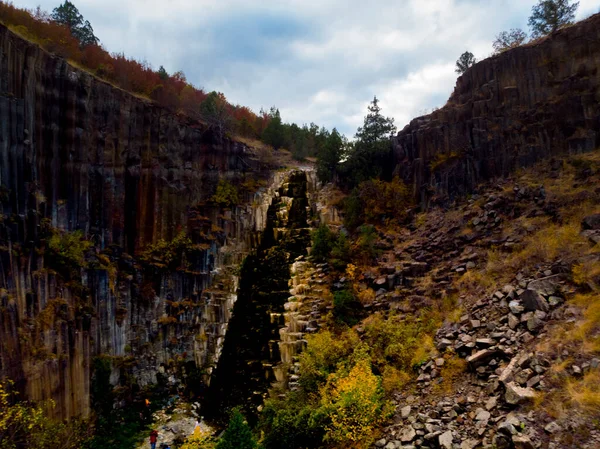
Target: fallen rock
pixel 522 442
pixel 508 372
pixel 482 415
pixel 381 443
pixel 408 434
pixel 515 307
pixel 533 301
pixel 469 444
pixel 552 428
pixel 405 411
pixel 483 357
pixel 591 222
pixel 445 440
pixel 517 395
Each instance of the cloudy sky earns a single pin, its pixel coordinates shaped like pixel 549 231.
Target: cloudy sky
pixel 319 61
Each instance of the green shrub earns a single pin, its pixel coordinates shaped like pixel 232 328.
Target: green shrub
pixel 353 210
pixel 66 252
pixel 226 194
pixel 365 244
pixel 170 254
pixel 322 243
pixel 291 422
pixel 347 309
pixel 340 252
pixel 398 343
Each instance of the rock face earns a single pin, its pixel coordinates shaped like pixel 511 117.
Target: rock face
pixel 78 154
pixel 507 111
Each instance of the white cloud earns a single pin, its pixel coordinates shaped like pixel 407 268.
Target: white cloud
pixel 317 60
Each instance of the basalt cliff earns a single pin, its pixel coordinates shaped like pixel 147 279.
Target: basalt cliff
pixel 81 160
pixel 507 111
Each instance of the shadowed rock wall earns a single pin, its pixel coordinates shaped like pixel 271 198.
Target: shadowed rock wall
pixel 79 154
pixel 507 111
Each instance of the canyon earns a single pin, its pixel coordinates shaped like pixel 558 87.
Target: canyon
pixel 115 244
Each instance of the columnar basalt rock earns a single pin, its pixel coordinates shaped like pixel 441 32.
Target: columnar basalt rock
pixel 77 154
pixel 507 111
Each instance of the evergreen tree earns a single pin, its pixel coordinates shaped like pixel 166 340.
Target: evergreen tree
pixel 237 435
pixel 376 127
pixel 465 61
pixel 68 15
pixel 274 132
pixel 214 110
pixel 162 73
pixel 369 156
pixel 550 15
pixel 329 157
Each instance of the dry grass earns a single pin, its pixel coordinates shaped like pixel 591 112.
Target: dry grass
pixel 588 273
pixel 474 281
pixel 451 373
pixel 549 242
pixel 585 393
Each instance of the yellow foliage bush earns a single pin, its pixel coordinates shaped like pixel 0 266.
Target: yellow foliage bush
pixel 401 344
pixel 199 440
pixel 354 402
pixel 393 379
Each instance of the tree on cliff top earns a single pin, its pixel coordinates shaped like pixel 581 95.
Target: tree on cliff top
pixel 509 39
pixel 465 61
pixel 68 15
pixel 329 157
pixel 369 156
pixel 274 132
pixel 550 15
pixel 215 111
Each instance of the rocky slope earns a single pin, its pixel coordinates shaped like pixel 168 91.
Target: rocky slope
pixel 516 360
pixel 507 111
pixel 77 154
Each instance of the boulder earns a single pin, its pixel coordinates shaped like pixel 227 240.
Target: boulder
pixel 517 395
pixel 533 301
pixel 591 222
pixel 408 434
pixel 405 411
pixel 483 357
pixel 547 285
pixel 522 442
pixel 445 440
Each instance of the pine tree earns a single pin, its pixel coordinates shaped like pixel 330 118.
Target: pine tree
pixel 550 15
pixel 68 15
pixel 329 156
pixel 274 132
pixel 465 61
pixel 237 435
pixel 369 156
pixel 376 127
pixel 162 73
